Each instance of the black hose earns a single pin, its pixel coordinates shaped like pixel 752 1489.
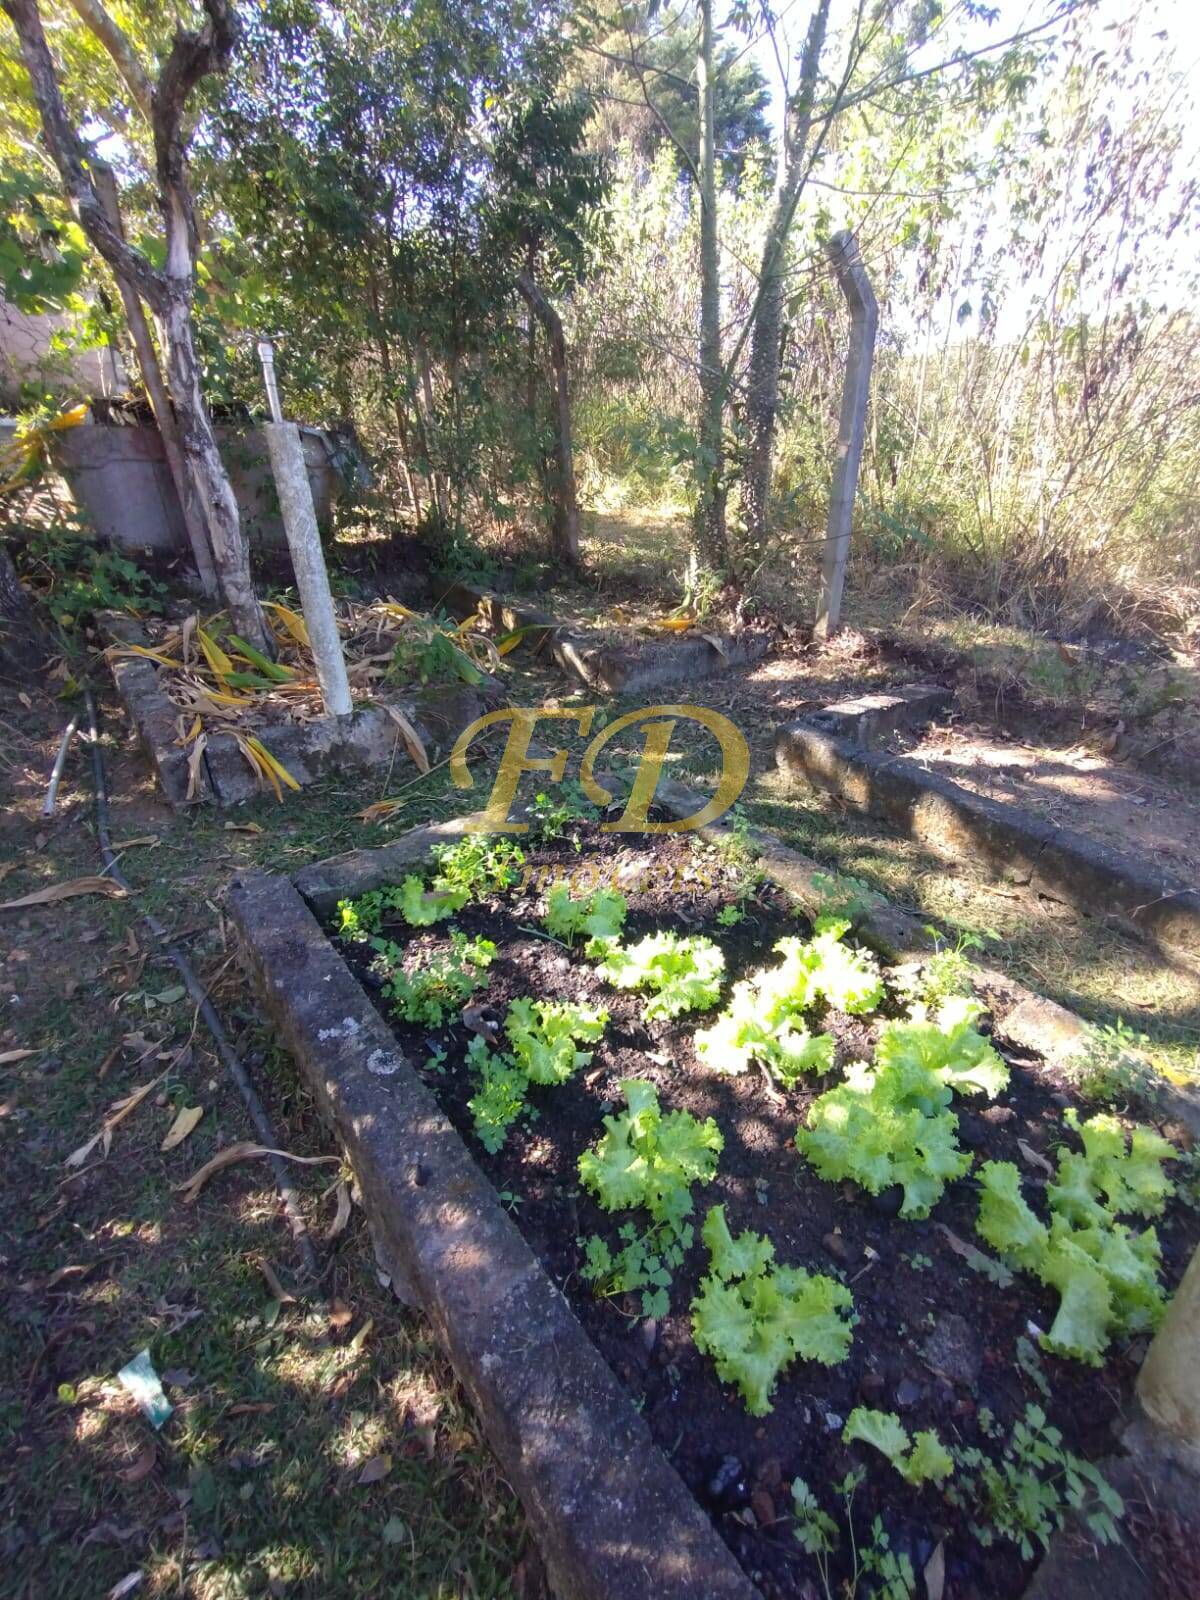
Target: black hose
pixel 199 997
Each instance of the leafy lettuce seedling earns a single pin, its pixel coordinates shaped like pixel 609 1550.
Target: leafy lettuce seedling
pixel 650 1158
pixel 918 1460
pixel 600 915
pixel 683 974
pixel 543 1035
pixel 950 1049
pixel 1105 1274
pixel 442 986
pixel 883 1126
pixel 762 1021
pixel 647 1159
pixel 755 1318
pixel 359 919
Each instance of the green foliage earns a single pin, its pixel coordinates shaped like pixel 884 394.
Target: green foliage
pixel 844 896
pixel 73 577
pixel 644 1263
pixel 918 1460
pixel 477 866
pixel 500 1098
pixel 1025 1496
pixel 945 975
pixel 761 1021
pixel 682 973
pixel 884 1126
pixel 560 815
pixel 755 1318
pixel 429 649
pixel 442 985
pixel 43 250
pixel 1114 1069
pixel 359 919
pixel 647 1159
pixel 949 1049
pixel 600 915
pixel 873 1559
pixel 543 1035
pixel 650 1158
pixel 1106 1275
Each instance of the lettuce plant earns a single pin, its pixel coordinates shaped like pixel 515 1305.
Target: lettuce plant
pixel 762 1021
pixel 682 973
pixel 950 1049
pixel 600 915
pixel 1106 1275
pixel 918 1460
pixel 477 865
pixel 543 1035
pixel 754 1318
pixel 647 1159
pixel 359 919
pixel 887 1125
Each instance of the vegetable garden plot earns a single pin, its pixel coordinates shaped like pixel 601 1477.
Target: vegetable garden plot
pixel 875 1289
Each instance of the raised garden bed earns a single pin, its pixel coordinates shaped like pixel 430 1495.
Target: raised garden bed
pixel 940 1344
pixel 1009 839
pixel 294 731
pixel 614 660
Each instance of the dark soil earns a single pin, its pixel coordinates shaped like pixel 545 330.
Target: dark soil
pixel 935 1341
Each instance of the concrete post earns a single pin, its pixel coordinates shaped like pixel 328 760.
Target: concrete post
pixel 851 275
pixel 308 563
pixel 1168 1385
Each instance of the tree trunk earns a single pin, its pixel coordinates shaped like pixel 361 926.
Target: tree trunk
pixel 864 319
pixel 566 503
pixel 710 500
pixel 147 360
pixel 762 393
pixel 168 292
pixel 208 480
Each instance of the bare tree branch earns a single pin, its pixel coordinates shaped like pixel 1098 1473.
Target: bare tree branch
pixel 116 41
pixel 70 155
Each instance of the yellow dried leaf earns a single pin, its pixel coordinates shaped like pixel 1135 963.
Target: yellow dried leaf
pixel 413 742
pixel 66 891
pixel 244 1150
pixel 185 1124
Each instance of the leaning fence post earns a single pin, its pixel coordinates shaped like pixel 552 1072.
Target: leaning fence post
pixel 304 542
pixel 842 250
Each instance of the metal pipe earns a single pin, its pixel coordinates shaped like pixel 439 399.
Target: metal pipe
pixel 60 762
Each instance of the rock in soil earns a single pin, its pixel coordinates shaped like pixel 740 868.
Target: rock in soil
pixel 952 1350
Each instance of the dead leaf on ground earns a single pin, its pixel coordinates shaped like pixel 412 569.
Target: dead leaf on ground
pixel 988 1265
pixel 66 891
pixel 273 1283
pixel 141 1468
pixel 361 1337
pixel 9 1057
pixel 120 1110
pixel 243 827
pixel 244 1150
pixel 340 1315
pixel 376 1468
pixel 251 1408
pixel 342 1216
pixel 413 742
pixel 77 1270
pixel 126 1585
pixel 149 839
pixel 935 1572
pixel 1034 1158
pixel 185 1123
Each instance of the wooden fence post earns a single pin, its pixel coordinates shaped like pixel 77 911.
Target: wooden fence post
pixel 851 275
